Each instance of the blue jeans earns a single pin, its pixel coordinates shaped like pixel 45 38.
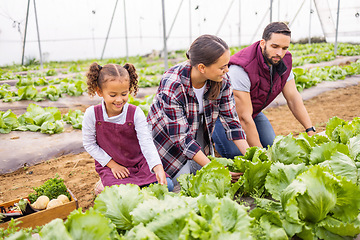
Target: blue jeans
pixel 228 149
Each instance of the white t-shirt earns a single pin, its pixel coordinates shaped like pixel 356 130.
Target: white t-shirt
pixel 240 79
pixel 146 143
pixel 199 92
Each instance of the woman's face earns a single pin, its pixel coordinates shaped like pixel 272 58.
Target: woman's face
pixel 217 70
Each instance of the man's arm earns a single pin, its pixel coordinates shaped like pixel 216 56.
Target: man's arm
pixel 244 110
pixel 296 105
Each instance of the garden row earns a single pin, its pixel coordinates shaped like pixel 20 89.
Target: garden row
pixel 305 187
pixel 26 87
pixel 49 120
pixel 149 65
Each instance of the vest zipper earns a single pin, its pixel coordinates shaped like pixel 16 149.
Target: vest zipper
pixel 271 86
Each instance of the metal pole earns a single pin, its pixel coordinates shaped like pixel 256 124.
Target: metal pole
pixel 38 35
pixel 107 36
pixel 239 23
pixel 172 25
pixel 190 29
pixel 337 27
pixel 271 1
pixel 26 23
pixel 126 34
pixel 164 36
pixel 222 22
pixel 296 13
pixel 310 23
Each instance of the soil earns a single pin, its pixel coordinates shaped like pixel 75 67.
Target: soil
pixel 80 177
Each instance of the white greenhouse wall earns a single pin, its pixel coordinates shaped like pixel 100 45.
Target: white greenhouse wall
pixel 72 30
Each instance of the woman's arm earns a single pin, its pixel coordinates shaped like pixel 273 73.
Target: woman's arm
pixel 228 112
pixel 144 136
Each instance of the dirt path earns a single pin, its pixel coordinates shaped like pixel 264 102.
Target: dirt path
pixel 80 176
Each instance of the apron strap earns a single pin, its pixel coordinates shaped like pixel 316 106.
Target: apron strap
pixel 98 113
pixel 130 113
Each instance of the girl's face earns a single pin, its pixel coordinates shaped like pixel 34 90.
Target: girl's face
pixel 217 70
pixel 115 94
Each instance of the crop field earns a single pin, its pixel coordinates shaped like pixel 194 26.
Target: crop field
pixel 300 188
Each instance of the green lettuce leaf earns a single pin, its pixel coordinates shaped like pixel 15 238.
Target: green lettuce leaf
pixel 281 176
pixel 342 165
pixel 354 147
pixel 89 225
pixel 8 121
pixel 171 225
pixel 285 149
pixel 213 178
pixel 341 228
pixel 146 211
pixel 310 197
pixel 331 125
pixel 140 232
pixel 325 151
pixel 254 176
pixel 55 230
pixel 268 225
pixel 117 202
pixel 231 220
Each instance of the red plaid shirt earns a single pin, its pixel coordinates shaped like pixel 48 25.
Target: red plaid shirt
pixel 174 116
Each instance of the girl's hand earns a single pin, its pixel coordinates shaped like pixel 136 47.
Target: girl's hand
pixel 118 170
pixel 160 174
pixel 235 176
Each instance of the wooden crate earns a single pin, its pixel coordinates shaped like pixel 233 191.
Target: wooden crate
pixel 44 216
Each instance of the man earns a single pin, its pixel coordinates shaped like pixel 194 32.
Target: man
pixel 258 74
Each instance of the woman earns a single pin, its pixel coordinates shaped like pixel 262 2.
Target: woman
pixel 191 96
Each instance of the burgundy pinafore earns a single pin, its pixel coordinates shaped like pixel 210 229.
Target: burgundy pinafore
pixel 121 143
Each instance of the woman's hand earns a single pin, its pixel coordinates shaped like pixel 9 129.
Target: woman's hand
pixel 160 174
pixel 118 170
pixel 235 176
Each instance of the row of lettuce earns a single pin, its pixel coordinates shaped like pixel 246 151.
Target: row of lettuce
pixel 27 87
pixel 306 78
pixel 55 88
pixel 304 187
pixel 49 119
pixel 149 65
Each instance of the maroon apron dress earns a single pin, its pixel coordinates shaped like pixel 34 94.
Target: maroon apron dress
pixel 121 143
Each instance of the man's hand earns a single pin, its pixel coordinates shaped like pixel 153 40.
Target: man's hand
pixel 311 133
pixel 160 174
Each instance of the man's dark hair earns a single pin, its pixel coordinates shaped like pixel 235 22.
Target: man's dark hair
pixel 276 27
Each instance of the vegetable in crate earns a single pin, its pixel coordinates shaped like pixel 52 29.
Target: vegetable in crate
pixel 52 188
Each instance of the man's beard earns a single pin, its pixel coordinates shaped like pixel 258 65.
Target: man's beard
pixel 268 58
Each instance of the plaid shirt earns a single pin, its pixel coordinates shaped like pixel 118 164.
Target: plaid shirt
pixel 174 116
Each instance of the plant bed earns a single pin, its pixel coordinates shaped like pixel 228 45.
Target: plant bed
pixel 42 217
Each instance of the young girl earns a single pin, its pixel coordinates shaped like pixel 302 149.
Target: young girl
pixel 191 96
pixel 116 134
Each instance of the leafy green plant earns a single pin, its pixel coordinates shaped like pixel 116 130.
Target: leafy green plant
pixel 8 121
pixel 51 92
pixel 75 118
pixel 52 188
pixel 212 179
pixel 37 118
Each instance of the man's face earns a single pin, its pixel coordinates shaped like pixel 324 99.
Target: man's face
pixel 275 48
